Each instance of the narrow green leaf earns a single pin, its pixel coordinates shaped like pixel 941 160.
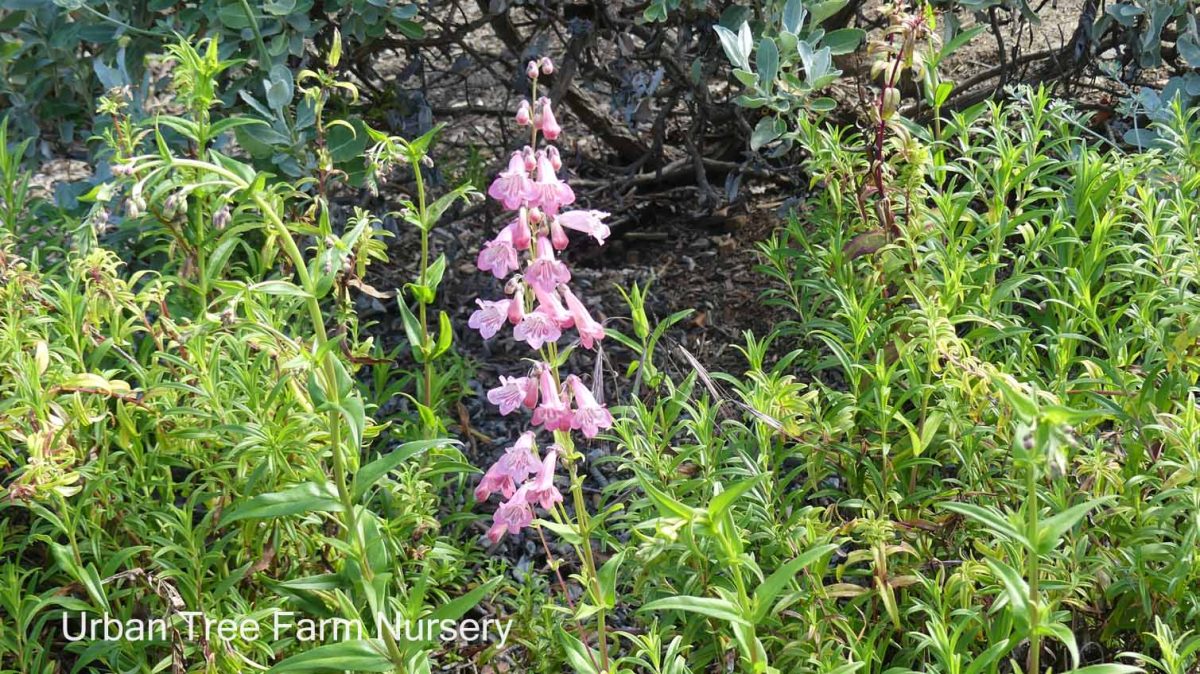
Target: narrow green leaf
pixel 579 656
pixel 1052 529
pixel 770 588
pixel 1015 588
pixel 360 655
pixel 722 502
pixel 412 330
pixel 720 609
pixel 284 288
pixel 302 498
pixel 990 518
pixel 371 473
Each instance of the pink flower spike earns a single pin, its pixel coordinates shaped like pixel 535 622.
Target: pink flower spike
pixel 588 222
pixel 548 191
pixel 511 517
pixel 550 127
pixel 489 317
pixel 589 330
pixel 590 416
pixel 541 489
pixel 545 272
pixel 512 185
pixel 552 413
pixel 513 392
pixel 524 115
pixel 536 328
pixel 499 255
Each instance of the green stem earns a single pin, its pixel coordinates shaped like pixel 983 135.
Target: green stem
pixel 335 424
pixel 263 54
pixel 1034 570
pixel 422 310
pixel 589 560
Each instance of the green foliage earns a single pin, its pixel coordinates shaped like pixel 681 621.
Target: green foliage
pixel 793 60
pixel 195 437
pixel 58 56
pixel 981 453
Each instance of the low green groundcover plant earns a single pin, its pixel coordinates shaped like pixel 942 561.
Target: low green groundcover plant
pixel 971 445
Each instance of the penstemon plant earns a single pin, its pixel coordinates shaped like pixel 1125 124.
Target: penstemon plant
pixel 540 308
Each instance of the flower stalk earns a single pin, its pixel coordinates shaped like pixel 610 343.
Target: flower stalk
pixel 541 306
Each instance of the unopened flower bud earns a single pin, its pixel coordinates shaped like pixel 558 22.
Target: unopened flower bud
pixel 427 161
pixel 555 159
pixel 175 204
pixel 531 70
pixel 221 218
pixel 547 66
pixel 891 101
pixel 524 117
pixel 100 221
pixel 530 158
pixel 544 120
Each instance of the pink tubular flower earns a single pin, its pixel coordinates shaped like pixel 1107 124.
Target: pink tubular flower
pixel 550 303
pixel 552 413
pixel 590 416
pixel 588 222
pixel 516 310
pixel 524 116
pixel 558 235
pixel 511 517
pixel 514 467
pixel 555 158
pixel 489 317
pixel 514 392
pixel 545 272
pixel 536 328
pixel 513 185
pixel 548 191
pixel 549 126
pixel 499 255
pixel 541 489
pixel 589 330
pixel 518 230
